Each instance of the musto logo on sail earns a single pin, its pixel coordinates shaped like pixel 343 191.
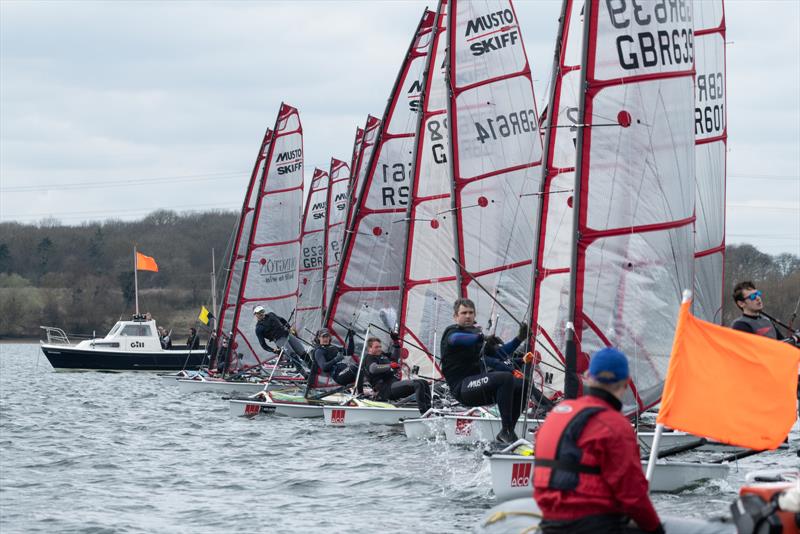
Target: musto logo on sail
pixel 277 269
pixel 639 45
pixel 289 161
pixel 486 28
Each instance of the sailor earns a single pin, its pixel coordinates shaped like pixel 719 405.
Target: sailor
pixel 166 341
pixel 499 356
pixel 748 299
pixel 271 327
pixel 588 474
pixel 382 370
pixel 328 359
pixel 193 343
pixel 469 383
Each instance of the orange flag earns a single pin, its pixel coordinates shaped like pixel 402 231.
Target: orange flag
pixel 734 387
pixel 145 263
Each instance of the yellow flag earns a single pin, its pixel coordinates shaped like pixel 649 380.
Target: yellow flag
pixel 204 314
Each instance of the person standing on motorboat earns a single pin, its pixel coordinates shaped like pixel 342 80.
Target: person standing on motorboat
pixel 469 383
pixel 164 336
pixel 382 371
pixel 271 327
pixel 499 356
pixel 328 359
pixel 193 343
pixel 588 474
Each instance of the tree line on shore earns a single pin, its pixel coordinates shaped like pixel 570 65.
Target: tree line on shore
pixel 80 278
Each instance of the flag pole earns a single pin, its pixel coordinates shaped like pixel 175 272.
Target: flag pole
pixel 651 462
pixel 135 280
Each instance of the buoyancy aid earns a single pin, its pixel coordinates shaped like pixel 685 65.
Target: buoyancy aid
pixel 560 464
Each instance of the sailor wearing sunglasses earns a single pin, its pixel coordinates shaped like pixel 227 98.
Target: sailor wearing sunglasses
pixel 748 299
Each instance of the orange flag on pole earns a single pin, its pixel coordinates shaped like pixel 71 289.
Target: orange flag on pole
pixel 734 387
pixel 145 263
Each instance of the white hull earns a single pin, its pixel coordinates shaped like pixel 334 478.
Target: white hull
pixel 353 415
pixel 473 429
pixel 512 475
pixel 241 408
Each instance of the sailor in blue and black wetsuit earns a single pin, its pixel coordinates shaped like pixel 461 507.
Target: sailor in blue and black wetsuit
pixel 469 382
pixel 382 370
pixel 328 359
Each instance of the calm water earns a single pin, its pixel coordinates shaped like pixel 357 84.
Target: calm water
pixel 99 452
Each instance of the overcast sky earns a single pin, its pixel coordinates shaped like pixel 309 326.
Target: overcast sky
pixel 115 109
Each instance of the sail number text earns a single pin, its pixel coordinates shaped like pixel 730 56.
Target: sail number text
pixel 516 123
pixel 709 114
pixel 652 48
pixel 391 195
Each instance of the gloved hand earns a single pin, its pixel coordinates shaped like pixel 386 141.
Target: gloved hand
pixel 518 374
pixel 394 365
pixel 351 332
pixel 293 331
pixel 523 331
pixel 394 335
pixel 276 350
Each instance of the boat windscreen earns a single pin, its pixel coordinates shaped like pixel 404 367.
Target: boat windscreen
pixel 114 329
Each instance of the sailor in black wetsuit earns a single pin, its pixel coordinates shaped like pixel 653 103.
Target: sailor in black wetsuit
pixel 748 299
pixel 382 370
pixel 271 327
pixel 469 383
pixel 328 358
pixel 499 356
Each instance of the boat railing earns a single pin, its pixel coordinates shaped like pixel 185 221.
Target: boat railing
pixel 55 336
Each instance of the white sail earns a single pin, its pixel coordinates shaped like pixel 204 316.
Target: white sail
pixel 711 134
pixel 335 219
pixel 430 285
pixel 270 276
pixel 635 186
pixel 360 166
pixel 368 285
pixel 551 288
pixel 239 251
pixel 310 301
pixel 496 152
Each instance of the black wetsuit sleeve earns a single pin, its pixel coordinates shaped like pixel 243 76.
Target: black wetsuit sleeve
pixel 351 345
pixel 494 363
pixel 324 364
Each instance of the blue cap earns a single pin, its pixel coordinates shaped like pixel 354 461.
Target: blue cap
pixel 608 365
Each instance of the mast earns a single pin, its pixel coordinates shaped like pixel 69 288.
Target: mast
pixel 270 276
pixel 553 244
pixel 634 190
pixel 711 139
pixel 243 228
pixel 368 282
pixel 496 149
pixel 428 286
pixel 310 302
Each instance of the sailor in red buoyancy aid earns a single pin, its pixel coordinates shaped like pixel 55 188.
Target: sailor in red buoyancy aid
pixel 588 475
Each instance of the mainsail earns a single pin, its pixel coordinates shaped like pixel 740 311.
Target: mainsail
pixel 496 152
pixel 311 300
pixel 711 134
pixel 360 165
pixel 551 289
pixel 242 239
pixel 270 276
pixel 335 219
pixel 429 285
pixel 368 285
pixel 635 188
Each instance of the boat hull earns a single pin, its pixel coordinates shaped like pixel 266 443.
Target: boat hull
pixel 66 358
pixel 245 408
pixel 354 415
pixel 512 475
pixel 472 429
